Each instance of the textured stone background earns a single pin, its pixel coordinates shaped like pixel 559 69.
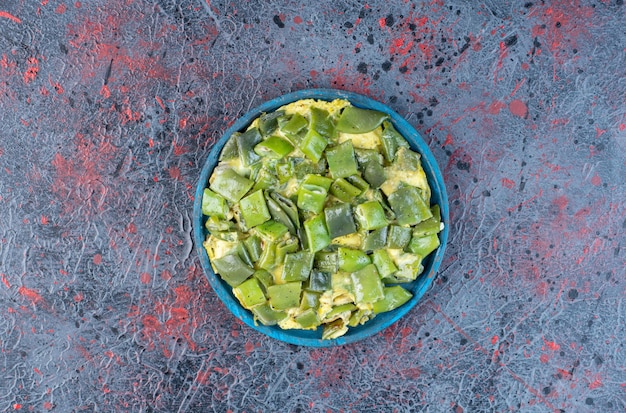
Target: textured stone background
pixel 109 109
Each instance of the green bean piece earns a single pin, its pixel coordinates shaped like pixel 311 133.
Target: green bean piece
pixel 310 299
pixel 370 215
pixel 284 170
pixel 243 253
pixel 267 260
pixel 358 182
pixel 429 226
pixel 273 147
pixel 284 296
pixel 365 156
pixel 271 230
pixel 268 122
pixel 341 281
pixel 359 316
pixel 231 236
pixel 409 267
pixel 339 220
pixel 297 266
pixel 424 245
pixel 245 146
pixel 409 206
pixel 375 239
pixel 335 329
pixel 391 140
pixel 308 319
pixel 294 125
pixel 254 209
pixel 264 277
pixel 342 311
pixel 374 174
pixel 316 233
pixel 232 269
pixel 399 237
pixel 367 285
pixel 279 215
pixel 253 245
pixel 214 204
pixel 317 180
pixel 288 206
pixel 323 123
pixel 304 167
pixel 230 184
pixel 311 198
pixel 230 151
pixel 341 160
pixel 265 179
pixel 344 191
pixel 383 262
pixel 352 260
pixel 267 315
pixel 249 293
pixel 356 120
pixel 319 281
pixel 313 145
pixel 214 224
pixel 303 238
pixel 285 247
pixel 394 297
pixel 326 261
pixel 407 160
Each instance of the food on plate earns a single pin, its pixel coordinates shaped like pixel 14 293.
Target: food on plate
pixel 317 213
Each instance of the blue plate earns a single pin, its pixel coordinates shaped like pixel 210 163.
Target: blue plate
pixel 417 287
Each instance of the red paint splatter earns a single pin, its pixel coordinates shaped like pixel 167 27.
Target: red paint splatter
pixel 503 52
pixel 105 92
pixel 401 46
pixel 544 358
pixel 538 30
pixel 525 66
pixel 9 16
pixel 31 294
pixel 561 22
pixel 518 108
pixel 44 220
pixel 494 339
pixel 297 20
pixel 507 183
pixel 32 70
pixel 78 297
pixel 448 140
pixel 97 259
pixel 48 406
pixel 595 383
pixel 596 180
pixel 382 22
pixel 249 347
pixel 495 107
pixel 60 8
pixel 166 275
pixel 174 172
pixel 145 278
pixel 5 281
pixel 552 345
pixel 622 127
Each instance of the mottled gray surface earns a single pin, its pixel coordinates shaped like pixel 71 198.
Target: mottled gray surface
pixel 109 109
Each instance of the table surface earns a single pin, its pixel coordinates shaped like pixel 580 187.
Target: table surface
pixel 110 108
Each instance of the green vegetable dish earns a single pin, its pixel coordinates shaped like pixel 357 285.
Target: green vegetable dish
pixel 316 214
